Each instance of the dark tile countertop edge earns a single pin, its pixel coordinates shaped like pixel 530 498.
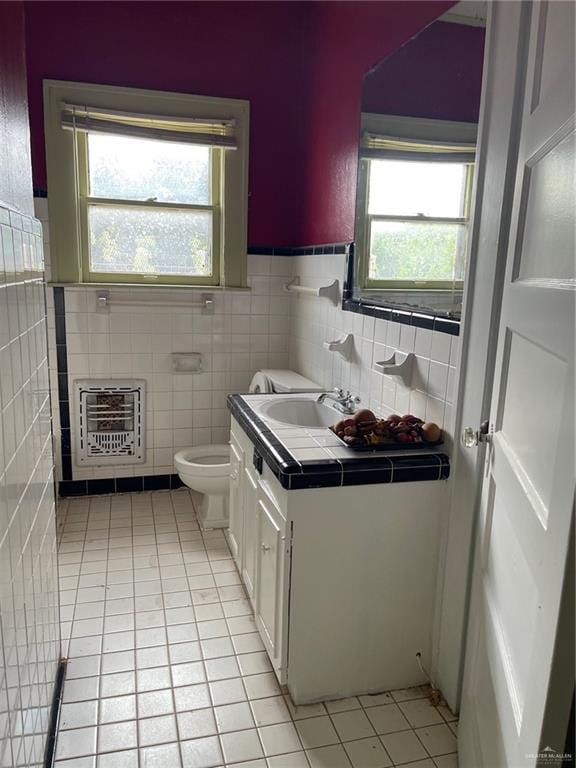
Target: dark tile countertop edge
pixel 330 473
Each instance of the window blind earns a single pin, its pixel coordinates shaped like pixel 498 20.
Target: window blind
pixel 375 146
pixel 214 132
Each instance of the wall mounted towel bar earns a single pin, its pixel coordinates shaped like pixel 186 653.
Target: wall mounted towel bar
pixel 331 292
pixel 104 301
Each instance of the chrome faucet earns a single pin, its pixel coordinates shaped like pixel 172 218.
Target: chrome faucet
pixel 343 401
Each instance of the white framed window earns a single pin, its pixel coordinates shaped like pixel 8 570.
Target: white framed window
pixel 413 203
pixel 146 187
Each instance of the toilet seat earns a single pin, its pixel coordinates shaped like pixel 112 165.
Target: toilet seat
pixel 204 460
pixel 206 469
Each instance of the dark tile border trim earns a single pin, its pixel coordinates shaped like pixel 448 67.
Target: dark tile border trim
pixel 50 751
pixel 62 371
pixel 107 485
pixel 306 250
pixel 395 313
pixel 330 473
pixel 403 316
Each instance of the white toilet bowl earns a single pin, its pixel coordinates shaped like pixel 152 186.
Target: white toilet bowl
pixel 206 469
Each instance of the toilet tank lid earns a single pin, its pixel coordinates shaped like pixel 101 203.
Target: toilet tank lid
pixel 290 381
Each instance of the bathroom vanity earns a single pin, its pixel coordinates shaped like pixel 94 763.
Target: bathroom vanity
pixel 338 551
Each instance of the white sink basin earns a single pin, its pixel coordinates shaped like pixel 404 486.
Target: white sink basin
pixel 301 413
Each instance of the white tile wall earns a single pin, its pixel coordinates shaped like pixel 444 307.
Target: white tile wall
pixel 248 331
pixel 314 321
pixel 29 621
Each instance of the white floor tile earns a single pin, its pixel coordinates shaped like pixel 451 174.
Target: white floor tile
pixel 155 656
pixel 199 722
pixel 233 717
pixel 403 747
pixel 328 757
pixel 119 684
pixel 188 674
pixel 162 632
pixel 367 753
pixel 420 712
pixel 82 689
pixel 201 753
pixel 316 732
pixel 155 703
pixel 116 736
pixel 292 760
pixel 437 739
pixel 352 725
pixel 75 743
pixel 277 739
pixel 227 691
pixel 192 697
pixel 160 757
pixel 387 718
pixel 117 708
pixel 157 730
pixel 239 746
pixel 220 669
pixel 124 759
pixel 270 711
pixel 78 715
pixel 261 686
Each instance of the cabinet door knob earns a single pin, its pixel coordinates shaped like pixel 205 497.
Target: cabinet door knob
pixel 265 547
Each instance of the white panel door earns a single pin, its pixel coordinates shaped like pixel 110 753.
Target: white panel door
pixel 528 489
pixel 236 502
pixel 270 578
pixel 250 534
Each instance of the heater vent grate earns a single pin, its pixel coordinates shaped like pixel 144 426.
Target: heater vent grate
pixel 110 422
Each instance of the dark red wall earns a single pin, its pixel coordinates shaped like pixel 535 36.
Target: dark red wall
pixel 299 63
pixel 239 50
pixel 15 168
pixel 350 38
pixel 437 75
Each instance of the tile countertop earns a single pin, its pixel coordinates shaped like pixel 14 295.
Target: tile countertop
pixel 308 457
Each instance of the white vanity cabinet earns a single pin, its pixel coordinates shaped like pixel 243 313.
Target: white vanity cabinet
pixel 342 579
pixel 250 538
pixel 236 503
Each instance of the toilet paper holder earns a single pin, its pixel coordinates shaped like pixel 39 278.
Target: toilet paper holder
pixel 187 362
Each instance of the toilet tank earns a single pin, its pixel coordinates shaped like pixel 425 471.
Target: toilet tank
pixel 282 381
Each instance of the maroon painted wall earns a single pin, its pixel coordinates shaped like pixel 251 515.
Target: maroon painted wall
pixel 240 50
pixel 350 38
pixel 15 168
pixel 299 63
pixel 437 75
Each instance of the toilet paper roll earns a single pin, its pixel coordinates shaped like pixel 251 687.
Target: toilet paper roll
pixel 260 383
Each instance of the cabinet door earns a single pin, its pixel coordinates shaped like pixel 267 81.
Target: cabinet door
pixel 270 559
pixel 236 503
pixel 250 540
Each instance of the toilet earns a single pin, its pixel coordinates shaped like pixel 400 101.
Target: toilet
pixel 206 468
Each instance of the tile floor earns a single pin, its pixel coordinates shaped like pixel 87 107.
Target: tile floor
pixel 166 668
